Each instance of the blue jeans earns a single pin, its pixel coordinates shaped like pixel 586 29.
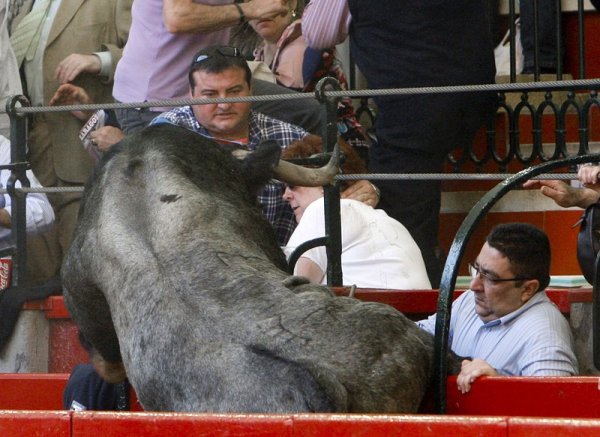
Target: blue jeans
pixel 132 120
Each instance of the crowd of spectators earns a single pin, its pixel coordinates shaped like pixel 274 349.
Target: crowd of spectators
pixel 104 51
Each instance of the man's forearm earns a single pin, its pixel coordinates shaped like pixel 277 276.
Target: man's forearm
pixel 185 16
pixel 587 196
pixel 325 23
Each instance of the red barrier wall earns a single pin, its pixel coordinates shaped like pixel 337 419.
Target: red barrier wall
pixel 566 406
pixel 574 397
pixel 65 351
pixel 35 423
pixel 84 424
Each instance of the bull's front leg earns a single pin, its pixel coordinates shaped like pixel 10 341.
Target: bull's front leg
pixel 90 311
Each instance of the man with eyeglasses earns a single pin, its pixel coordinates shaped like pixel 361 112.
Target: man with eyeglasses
pixel 222 71
pixel 506 323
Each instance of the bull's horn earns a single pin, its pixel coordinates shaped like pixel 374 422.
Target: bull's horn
pixel 293 174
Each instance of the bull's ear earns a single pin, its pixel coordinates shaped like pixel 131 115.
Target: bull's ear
pixel 258 165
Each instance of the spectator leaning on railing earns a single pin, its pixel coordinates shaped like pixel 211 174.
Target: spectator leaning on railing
pixel 505 322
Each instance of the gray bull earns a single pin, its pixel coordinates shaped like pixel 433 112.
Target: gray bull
pixel 174 271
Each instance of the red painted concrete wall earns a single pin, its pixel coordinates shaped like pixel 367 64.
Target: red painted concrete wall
pixel 518 407
pixel 557 224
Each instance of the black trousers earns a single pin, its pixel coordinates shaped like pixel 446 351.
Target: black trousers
pixel 547 33
pixel 415 204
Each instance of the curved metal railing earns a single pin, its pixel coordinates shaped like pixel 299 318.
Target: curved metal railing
pixel 327 93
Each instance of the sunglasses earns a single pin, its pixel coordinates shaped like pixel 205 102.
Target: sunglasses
pixel 231 52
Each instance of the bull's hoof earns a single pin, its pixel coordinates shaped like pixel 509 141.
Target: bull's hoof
pixel 294 281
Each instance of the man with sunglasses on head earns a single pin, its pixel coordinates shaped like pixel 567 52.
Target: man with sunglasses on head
pixel 163 37
pixel 222 71
pixel 505 322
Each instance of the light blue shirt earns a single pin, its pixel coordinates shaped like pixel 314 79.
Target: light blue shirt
pixel 534 340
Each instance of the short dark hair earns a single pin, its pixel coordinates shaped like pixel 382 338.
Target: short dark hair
pixel 527 249
pixel 216 59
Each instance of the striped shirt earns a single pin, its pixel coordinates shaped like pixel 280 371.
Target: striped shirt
pixel 326 23
pixel 262 128
pixel 534 340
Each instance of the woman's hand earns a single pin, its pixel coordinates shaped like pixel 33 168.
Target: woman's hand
pixel 363 191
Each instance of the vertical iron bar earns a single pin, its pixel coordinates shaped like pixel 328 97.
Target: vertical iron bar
pixel 559 44
pixel 18 141
pixel 536 41
pixel 352 71
pixel 580 16
pixel 512 34
pixel 596 314
pixel 584 132
pixel 331 192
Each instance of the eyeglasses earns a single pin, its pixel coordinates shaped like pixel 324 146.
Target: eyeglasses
pixel 476 271
pixel 231 52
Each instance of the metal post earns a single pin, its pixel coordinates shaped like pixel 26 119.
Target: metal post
pixel 18 140
pixel 512 34
pixel 559 43
pixel 580 19
pixel 331 192
pixel 596 314
pixel 536 41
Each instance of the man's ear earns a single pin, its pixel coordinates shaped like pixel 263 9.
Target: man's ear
pixel 530 287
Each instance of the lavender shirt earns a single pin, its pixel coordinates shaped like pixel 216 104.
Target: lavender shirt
pixel 155 62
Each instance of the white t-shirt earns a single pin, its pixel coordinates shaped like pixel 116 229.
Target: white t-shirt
pixel 38 211
pixel 377 251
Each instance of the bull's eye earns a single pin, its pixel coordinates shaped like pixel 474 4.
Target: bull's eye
pixel 169 198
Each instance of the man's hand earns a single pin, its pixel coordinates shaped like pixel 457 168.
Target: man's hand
pixel 68 94
pixel 565 195
pixel 261 9
pixel 588 174
pixel 363 191
pixel 74 64
pixel 5 220
pixel 106 137
pixel 470 371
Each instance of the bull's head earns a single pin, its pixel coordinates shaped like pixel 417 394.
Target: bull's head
pixel 267 154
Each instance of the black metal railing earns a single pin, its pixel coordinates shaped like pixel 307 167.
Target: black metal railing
pixel 548 109
pixel 580 102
